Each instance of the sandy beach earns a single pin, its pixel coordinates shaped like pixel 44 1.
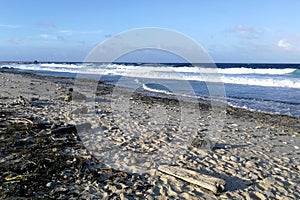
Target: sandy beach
pixel 50 145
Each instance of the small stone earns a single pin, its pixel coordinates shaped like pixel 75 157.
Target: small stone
pixel 281 189
pixel 74 96
pixel 202 143
pixel 42 133
pixel 249 164
pixel 253 176
pixel 27 139
pixel 225 158
pixel 269 194
pixel 215 156
pixel 51 184
pixel 260 195
pixel 21 101
pixel 149 197
pixel 296 147
pixel 124 197
pixel 277 169
pixel 152 123
pixel 270 180
pixel 234 159
pixel 34 99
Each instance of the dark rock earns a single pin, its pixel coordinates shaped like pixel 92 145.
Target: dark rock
pixel 202 143
pixel 71 128
pixel 21 101
pixel 74 96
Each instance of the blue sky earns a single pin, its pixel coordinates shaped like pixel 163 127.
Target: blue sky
pixel 230 31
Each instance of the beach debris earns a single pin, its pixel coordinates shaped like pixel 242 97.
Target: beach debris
pixel 27 139
pixel 74 96
pixel 216 185
pixel 64 129
pixel 34 98
pixel 71 128
pixel 42 133
pixel 11 177
pixel 58 139
pixel 21 101
pixel 17 120
pixel 202 143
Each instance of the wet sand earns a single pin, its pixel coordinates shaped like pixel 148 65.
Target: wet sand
pixel 99 148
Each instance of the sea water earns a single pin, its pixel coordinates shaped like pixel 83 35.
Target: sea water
pixel 270 88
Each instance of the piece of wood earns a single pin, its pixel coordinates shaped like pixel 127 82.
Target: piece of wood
pixel 216 185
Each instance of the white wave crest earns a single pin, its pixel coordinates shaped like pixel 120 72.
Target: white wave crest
pixel 246 76
pixel 57 65
pixel 145 87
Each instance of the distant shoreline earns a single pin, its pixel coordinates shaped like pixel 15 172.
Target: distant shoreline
pixel 138 63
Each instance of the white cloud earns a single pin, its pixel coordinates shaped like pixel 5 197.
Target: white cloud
pixel 244 28
pixel 80 32
pixel 245 32
pixel 9 26
pixel 65 31
pixel 284 44
pixel 51 37
pixel 45 36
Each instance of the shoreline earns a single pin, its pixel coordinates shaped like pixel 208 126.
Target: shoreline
pixel 230 109
pixel 257 155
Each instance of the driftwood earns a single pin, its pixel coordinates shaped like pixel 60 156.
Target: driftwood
pixel 20 120
pixel 216 185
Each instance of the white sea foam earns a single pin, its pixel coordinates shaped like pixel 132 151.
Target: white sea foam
pixel 56 65
pixel 161 68
pixel 270 71
pixel 145 87
pixel 271 77
pixel 201 70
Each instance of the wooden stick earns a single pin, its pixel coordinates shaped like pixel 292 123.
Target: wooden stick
pixel 20 120
pixel 216 185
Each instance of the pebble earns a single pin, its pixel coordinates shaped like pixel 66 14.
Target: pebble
pixel 216 156
pixel 260 195
pixel 51 184
pixel 277 169
pixel 234 159
pixel 270 180
pixel 43 133
pixel 253 176
pixel 226 158
pixel 269 194
pixel 250 164
pixel 281 189
pixel 27 139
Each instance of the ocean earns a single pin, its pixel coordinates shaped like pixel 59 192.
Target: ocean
pixel 269 88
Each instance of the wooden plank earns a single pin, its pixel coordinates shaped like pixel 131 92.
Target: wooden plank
pixel 216 185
